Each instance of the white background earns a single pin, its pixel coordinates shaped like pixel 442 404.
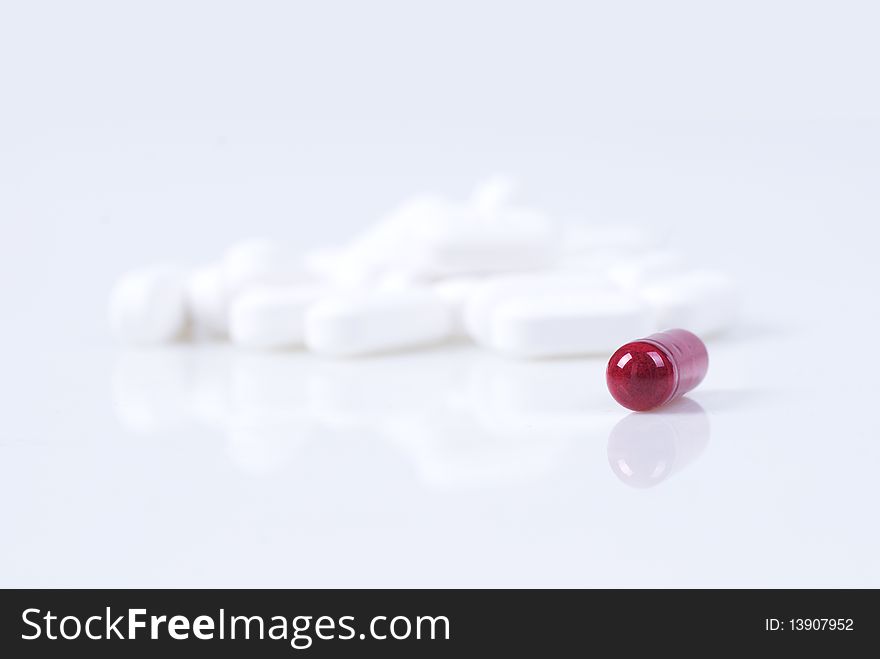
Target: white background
pixel 747 134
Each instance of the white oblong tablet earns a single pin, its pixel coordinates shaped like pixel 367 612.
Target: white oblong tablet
pixel 261 262
pixel 271 317
pixel 148 305
pixel 376 321
pixel 342 267
pixel 568 323
pixel 394 241
pixel 455 292
pixel 581 237
pixel 206 300
pixel 704 301
pixel 468 244
pixel 641 270
pixel 494 193
pixel 482 303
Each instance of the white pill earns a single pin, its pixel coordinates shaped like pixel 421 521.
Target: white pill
pixel 395 280
pixel 380 321
pixel 342 267
pixel 704 302
pixel 270 317
pixel 493 194
pixel 568 323
pixel 638 271
pixel 455 292
pixel 431 238
pixel 260 262
pixel 597 249
pixel 481 305
pixel 148 305
pixel 207 301
pixel 581 237
pixel 515 240
pixel 389 243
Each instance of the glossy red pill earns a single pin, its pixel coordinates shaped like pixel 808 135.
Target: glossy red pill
pixel 650 372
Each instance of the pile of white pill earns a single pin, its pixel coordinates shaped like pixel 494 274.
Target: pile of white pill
pixel 508 278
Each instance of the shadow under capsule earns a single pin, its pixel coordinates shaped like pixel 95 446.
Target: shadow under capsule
pixel 646 448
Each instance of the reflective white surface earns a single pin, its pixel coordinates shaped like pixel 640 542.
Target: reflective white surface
pixel 210 466
pixel 131 134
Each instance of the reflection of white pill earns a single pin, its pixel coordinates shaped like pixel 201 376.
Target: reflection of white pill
pixel 259 262
pixel 265 383
pixel 452 449
pixel 210 385
pixel 365 392
pixel 147 306
pixel 207 301
pixel 565 323
pixel 266 442
pixel 150 389
pixel 705 302
pixel 551 398
pixel 271 317
pixel 348 325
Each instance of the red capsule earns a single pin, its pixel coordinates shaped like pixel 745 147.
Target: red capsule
pixel 650 372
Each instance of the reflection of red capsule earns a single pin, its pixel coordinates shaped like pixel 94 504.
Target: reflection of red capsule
pixel 646 449
pixel 653 371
